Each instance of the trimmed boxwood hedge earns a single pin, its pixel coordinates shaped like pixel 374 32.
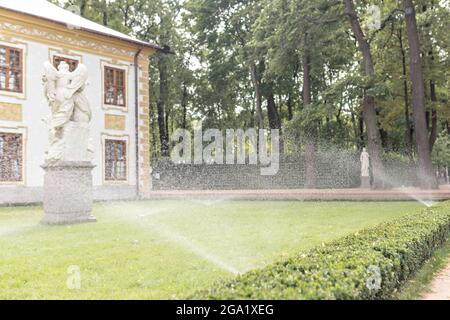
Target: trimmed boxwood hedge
pixel 347 268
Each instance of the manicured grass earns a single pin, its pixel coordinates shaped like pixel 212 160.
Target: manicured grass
pixel 167 249
pixel 417 287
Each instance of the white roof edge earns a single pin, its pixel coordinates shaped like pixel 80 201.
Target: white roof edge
pixel 45 10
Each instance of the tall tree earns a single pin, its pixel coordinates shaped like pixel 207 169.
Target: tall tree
pixel 162 105
pixel 427 179
pixel 369 112
pixel 310 148
pixel 408 130
pixel 256 81
pixel 244 63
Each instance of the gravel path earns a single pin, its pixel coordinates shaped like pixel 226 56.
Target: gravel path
pixel 440 286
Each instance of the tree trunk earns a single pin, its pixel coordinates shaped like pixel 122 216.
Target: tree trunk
pixel 384 139
pixel 83 8
pixel 289 106
pixel 408 129
pixel 167 119
pixel 274 118
pixel 361 132
pixel 161 106
pixel 105 13
pixel 184 101
pixel 355 128
pixel 258 97
pixel 427 179
pixel 310 148
pixel 272 112
pixel 434 116
pixel 153 134
pixel 433 98
pixel 369 113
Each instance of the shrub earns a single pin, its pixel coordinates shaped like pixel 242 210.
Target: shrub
pixel 345 268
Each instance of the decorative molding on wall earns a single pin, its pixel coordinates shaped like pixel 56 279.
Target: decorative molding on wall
pixel 60 38
pixel 39 30
pixel 10 111
pixel 65 53
pixel 115 122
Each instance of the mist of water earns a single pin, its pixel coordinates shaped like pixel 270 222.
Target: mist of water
pixel 209 201
pixel 425 199
pixel 426 202
pixel 186 243
pixel 138 219
pixel 16 229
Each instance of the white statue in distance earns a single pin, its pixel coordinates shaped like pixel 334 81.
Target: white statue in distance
pixel 70 113
pixel 364 158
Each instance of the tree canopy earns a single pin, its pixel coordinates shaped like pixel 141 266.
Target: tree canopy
pixel 342 72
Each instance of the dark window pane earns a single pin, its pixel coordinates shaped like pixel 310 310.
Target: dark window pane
pixel 2 56
pixel 115 160
pixel 10 157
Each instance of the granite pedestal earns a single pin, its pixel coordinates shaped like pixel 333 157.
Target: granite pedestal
pixel 68 193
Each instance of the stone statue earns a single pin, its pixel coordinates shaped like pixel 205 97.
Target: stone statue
pixel 68 168
pixel 365 174
pixel 70 113
pixel 364 158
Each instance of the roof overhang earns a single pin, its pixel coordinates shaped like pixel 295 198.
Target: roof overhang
pixel 138 43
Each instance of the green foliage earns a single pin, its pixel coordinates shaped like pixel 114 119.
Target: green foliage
pixel 441 151
pixel 217 42
pixel 344 268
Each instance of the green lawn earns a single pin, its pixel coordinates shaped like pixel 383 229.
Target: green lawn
pixel 167 249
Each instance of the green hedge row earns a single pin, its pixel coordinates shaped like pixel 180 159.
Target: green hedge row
pixel 371 264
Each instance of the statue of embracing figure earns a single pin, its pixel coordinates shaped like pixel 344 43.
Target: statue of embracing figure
pixel 68 168
pixel 70 114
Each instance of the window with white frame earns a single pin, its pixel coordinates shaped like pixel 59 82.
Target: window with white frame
pixel 11 72
pixel 114 86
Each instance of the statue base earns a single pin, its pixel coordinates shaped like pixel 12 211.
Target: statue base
pixel 365 182
pixel 68 193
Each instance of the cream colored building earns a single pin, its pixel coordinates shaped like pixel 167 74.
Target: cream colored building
pixel 35 31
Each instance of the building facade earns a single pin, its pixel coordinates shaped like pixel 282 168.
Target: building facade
pixel 118 93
